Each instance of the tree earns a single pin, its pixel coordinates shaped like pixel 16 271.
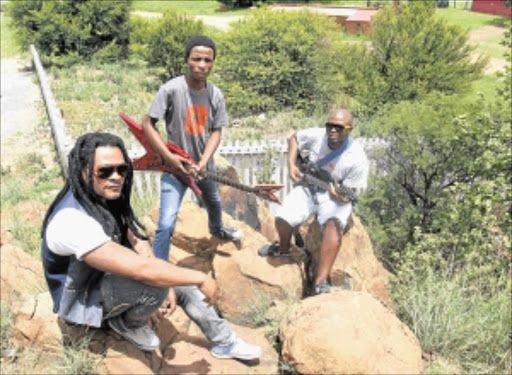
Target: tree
pixel 446 169
pixel 412 54
pixel 278 59
pixel 79 28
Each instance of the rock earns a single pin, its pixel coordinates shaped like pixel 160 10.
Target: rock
pixel 346 332
pixel 249 282
pixel 31 211
pixel 5 237
pixel 17 265
pixel 190 354
pixel 355 266
pixel 243 206
pixel 125 358
pixel 35 324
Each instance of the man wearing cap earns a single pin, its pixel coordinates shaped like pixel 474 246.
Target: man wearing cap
pixel 332 151
pixel 195 113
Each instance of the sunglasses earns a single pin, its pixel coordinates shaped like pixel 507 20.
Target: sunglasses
pixel 106 172
pixel 338 128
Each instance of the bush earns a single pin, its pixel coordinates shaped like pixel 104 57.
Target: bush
pixel 278 59
pixel 167 39
pixel 413 54
pixel 75 28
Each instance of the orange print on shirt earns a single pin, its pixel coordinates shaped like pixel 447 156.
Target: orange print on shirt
pixel 196 119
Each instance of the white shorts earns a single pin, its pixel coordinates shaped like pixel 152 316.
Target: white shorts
pixel 299 205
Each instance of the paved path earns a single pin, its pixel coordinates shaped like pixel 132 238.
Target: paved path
pixel 20 97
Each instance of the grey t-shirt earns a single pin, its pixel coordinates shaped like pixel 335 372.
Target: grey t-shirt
pixel 190 116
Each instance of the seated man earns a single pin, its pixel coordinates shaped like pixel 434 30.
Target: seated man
pixel 101 269
pixel 334 153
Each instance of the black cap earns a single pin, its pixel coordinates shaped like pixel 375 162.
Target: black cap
pixel 199 40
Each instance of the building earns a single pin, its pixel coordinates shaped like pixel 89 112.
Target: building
pixel 496 7
pixel 352 19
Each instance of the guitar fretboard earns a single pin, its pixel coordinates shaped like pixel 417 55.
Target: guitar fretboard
pixel 226 181
pixel 342 190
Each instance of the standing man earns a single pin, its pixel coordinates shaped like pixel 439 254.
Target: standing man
pixel 332 150
pixel 100 268
pixel 195 113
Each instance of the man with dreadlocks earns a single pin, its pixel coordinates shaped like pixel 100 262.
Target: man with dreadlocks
pixel 100 268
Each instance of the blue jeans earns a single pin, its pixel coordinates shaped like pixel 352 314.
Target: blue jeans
pixel 138 301
pixel 172 191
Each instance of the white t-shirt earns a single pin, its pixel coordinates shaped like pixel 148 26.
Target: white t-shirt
pixel 72 231
pixel 351 167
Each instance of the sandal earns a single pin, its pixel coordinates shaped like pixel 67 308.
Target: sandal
pixel 272 250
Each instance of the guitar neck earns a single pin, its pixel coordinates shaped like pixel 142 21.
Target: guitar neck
pixel 312 180
pixel 226 181
pixel 342 190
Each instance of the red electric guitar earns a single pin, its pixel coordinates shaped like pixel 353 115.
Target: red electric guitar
pixel 153 162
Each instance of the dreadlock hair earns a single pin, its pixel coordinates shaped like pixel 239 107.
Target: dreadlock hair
pixel 115 216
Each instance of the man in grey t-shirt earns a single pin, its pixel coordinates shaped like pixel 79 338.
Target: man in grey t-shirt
pixel 195 113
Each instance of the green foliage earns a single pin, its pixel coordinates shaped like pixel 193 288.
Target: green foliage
pixel 6 324
pixel 78 359
pixel 277 59
pixel 505 91
pixel 267 165
pixel 239 3
pixel 167 39
pixel 8 46
pixel 445 170
pixel 412 54
pixel 72 30
pixel 461 321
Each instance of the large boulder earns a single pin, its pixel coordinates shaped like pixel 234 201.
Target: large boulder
pixel 356 266
pixel 345 332
pixel 245 279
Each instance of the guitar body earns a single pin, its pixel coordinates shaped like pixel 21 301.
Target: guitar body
pixel 320 179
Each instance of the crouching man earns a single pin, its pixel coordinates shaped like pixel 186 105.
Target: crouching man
pixel 100 268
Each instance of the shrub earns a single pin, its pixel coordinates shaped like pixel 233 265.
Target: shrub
pixel 167 39
pixel 69 30
pixel 277 59
pixel 413 54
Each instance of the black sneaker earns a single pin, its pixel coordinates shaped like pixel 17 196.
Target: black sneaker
pixel 228 234
pixel 143 337
pixel 322 287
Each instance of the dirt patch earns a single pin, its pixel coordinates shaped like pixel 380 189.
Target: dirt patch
pixel 485 32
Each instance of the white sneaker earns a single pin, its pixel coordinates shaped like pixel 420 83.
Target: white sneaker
pixel 239 349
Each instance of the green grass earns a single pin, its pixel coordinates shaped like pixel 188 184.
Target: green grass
pixel 486 86
pixel 8 47
pixel 491 46
pixel 456 320
pixel 469 20
pixel 204 8
pixel 6 324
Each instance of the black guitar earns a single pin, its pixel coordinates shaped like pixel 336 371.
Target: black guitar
pixel 320 178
